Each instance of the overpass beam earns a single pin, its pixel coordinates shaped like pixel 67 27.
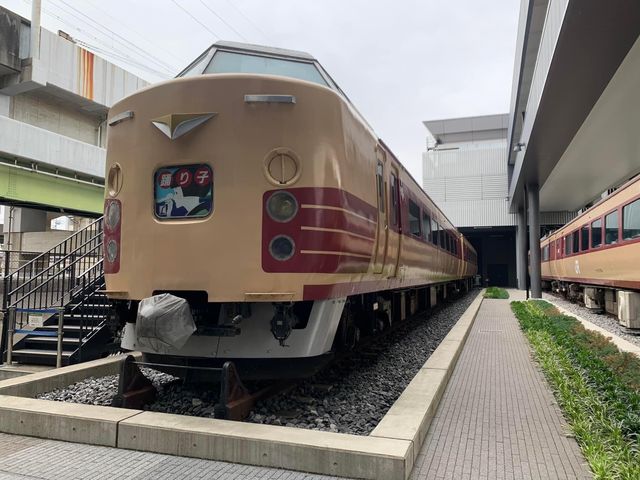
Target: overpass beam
pixel 521 249
pixel 533 205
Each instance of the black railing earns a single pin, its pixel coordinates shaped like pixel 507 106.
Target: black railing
pixel 66 275
pixel 91 311
pixel 49 279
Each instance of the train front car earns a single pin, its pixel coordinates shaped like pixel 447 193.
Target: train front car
pixel 252 189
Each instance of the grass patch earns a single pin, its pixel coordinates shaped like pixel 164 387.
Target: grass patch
pixel 496 292
pixel 597 387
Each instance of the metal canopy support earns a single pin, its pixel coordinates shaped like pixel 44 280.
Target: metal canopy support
pixel 533 201
pixel 521 249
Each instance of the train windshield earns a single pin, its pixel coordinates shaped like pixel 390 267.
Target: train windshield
pixel 231 62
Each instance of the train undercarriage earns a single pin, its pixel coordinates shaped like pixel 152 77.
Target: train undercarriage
pixel 623 304
pixel 274 340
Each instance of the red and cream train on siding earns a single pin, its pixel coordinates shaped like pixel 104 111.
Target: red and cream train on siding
pixel 251 187
pixel 595 256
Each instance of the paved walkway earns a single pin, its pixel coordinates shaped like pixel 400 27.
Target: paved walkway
pixel 26 458
pixel 498 418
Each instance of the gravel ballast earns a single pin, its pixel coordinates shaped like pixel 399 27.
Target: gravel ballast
pixel 350 396
pixel 606 321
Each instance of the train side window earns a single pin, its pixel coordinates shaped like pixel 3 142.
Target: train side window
pixel 394 200
pixel 631 220
pixel 435 232
pixel 426 226
pixel 414 218
pixel 596 233
pixel 567 244
pixel 576 241
pixel 584 238
pixel 611 228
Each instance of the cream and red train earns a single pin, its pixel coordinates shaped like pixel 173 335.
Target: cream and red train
pixel 251 187
pixel 596 257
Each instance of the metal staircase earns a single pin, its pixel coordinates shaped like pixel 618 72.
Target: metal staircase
pixel 66 281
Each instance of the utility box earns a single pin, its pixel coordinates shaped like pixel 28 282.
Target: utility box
pixel 610 302
pixel 593 298
pixel 629 309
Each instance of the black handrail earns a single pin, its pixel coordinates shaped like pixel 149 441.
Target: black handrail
pixel 51 280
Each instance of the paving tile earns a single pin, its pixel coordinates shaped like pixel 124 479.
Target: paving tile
pixel 498 417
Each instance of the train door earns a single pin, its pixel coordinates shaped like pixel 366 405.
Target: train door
pixel 394 241
pixel 383 225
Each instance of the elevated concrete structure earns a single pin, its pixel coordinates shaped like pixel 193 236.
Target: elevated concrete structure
pixel 575 105
pixel 54 98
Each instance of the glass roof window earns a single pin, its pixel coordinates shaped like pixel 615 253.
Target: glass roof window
pixel 231 62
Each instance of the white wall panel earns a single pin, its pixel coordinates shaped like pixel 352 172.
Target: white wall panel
pixel 463 188
pixel 494 187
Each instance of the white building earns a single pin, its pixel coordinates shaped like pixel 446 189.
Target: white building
pixel 465 171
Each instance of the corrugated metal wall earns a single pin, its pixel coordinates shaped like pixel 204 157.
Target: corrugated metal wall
pixel 468 181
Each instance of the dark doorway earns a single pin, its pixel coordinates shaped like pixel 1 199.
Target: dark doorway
pixel 498 275
pixel 496 249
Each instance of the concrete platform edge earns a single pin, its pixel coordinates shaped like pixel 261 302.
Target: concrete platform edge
pixel 40 382
pixel 410 416
pixel 266 445
pixel 69 422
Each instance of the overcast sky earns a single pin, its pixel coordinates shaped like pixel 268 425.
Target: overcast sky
pixel 400 62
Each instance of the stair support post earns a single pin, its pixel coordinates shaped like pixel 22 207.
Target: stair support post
pixel 11 323
pixel 60 333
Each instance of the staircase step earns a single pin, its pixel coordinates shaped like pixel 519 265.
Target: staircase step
pixel 51 340
pixel 66 328
pixel 38 353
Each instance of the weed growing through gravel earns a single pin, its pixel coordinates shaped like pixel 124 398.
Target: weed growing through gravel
pixel 496 292
pixel 595 385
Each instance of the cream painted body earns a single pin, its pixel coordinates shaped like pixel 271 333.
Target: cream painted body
pixel 221 254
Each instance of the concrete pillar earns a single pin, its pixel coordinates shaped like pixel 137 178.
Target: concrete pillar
pixel 36 12
pixel 19 220
pixel 521 249
pixel 533 205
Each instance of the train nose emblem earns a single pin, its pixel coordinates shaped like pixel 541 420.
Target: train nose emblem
pixel 176 125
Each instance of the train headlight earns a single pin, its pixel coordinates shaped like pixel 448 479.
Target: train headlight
pixel 282 247
pixel 112 215
pixel 282 206
pixel 112 250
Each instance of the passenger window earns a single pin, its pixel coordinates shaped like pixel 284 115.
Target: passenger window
pixel 426 226
pixel 596 233
pixel 584 238
pixel 414 219
pixel 611 228
pixel 576 242
pixel 567 244
pixel 435 232
pixel 631 220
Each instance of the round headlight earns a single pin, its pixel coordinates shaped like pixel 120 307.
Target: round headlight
pixel 112 251
pixel 282 206
pixel 282 248
pixel 112 215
